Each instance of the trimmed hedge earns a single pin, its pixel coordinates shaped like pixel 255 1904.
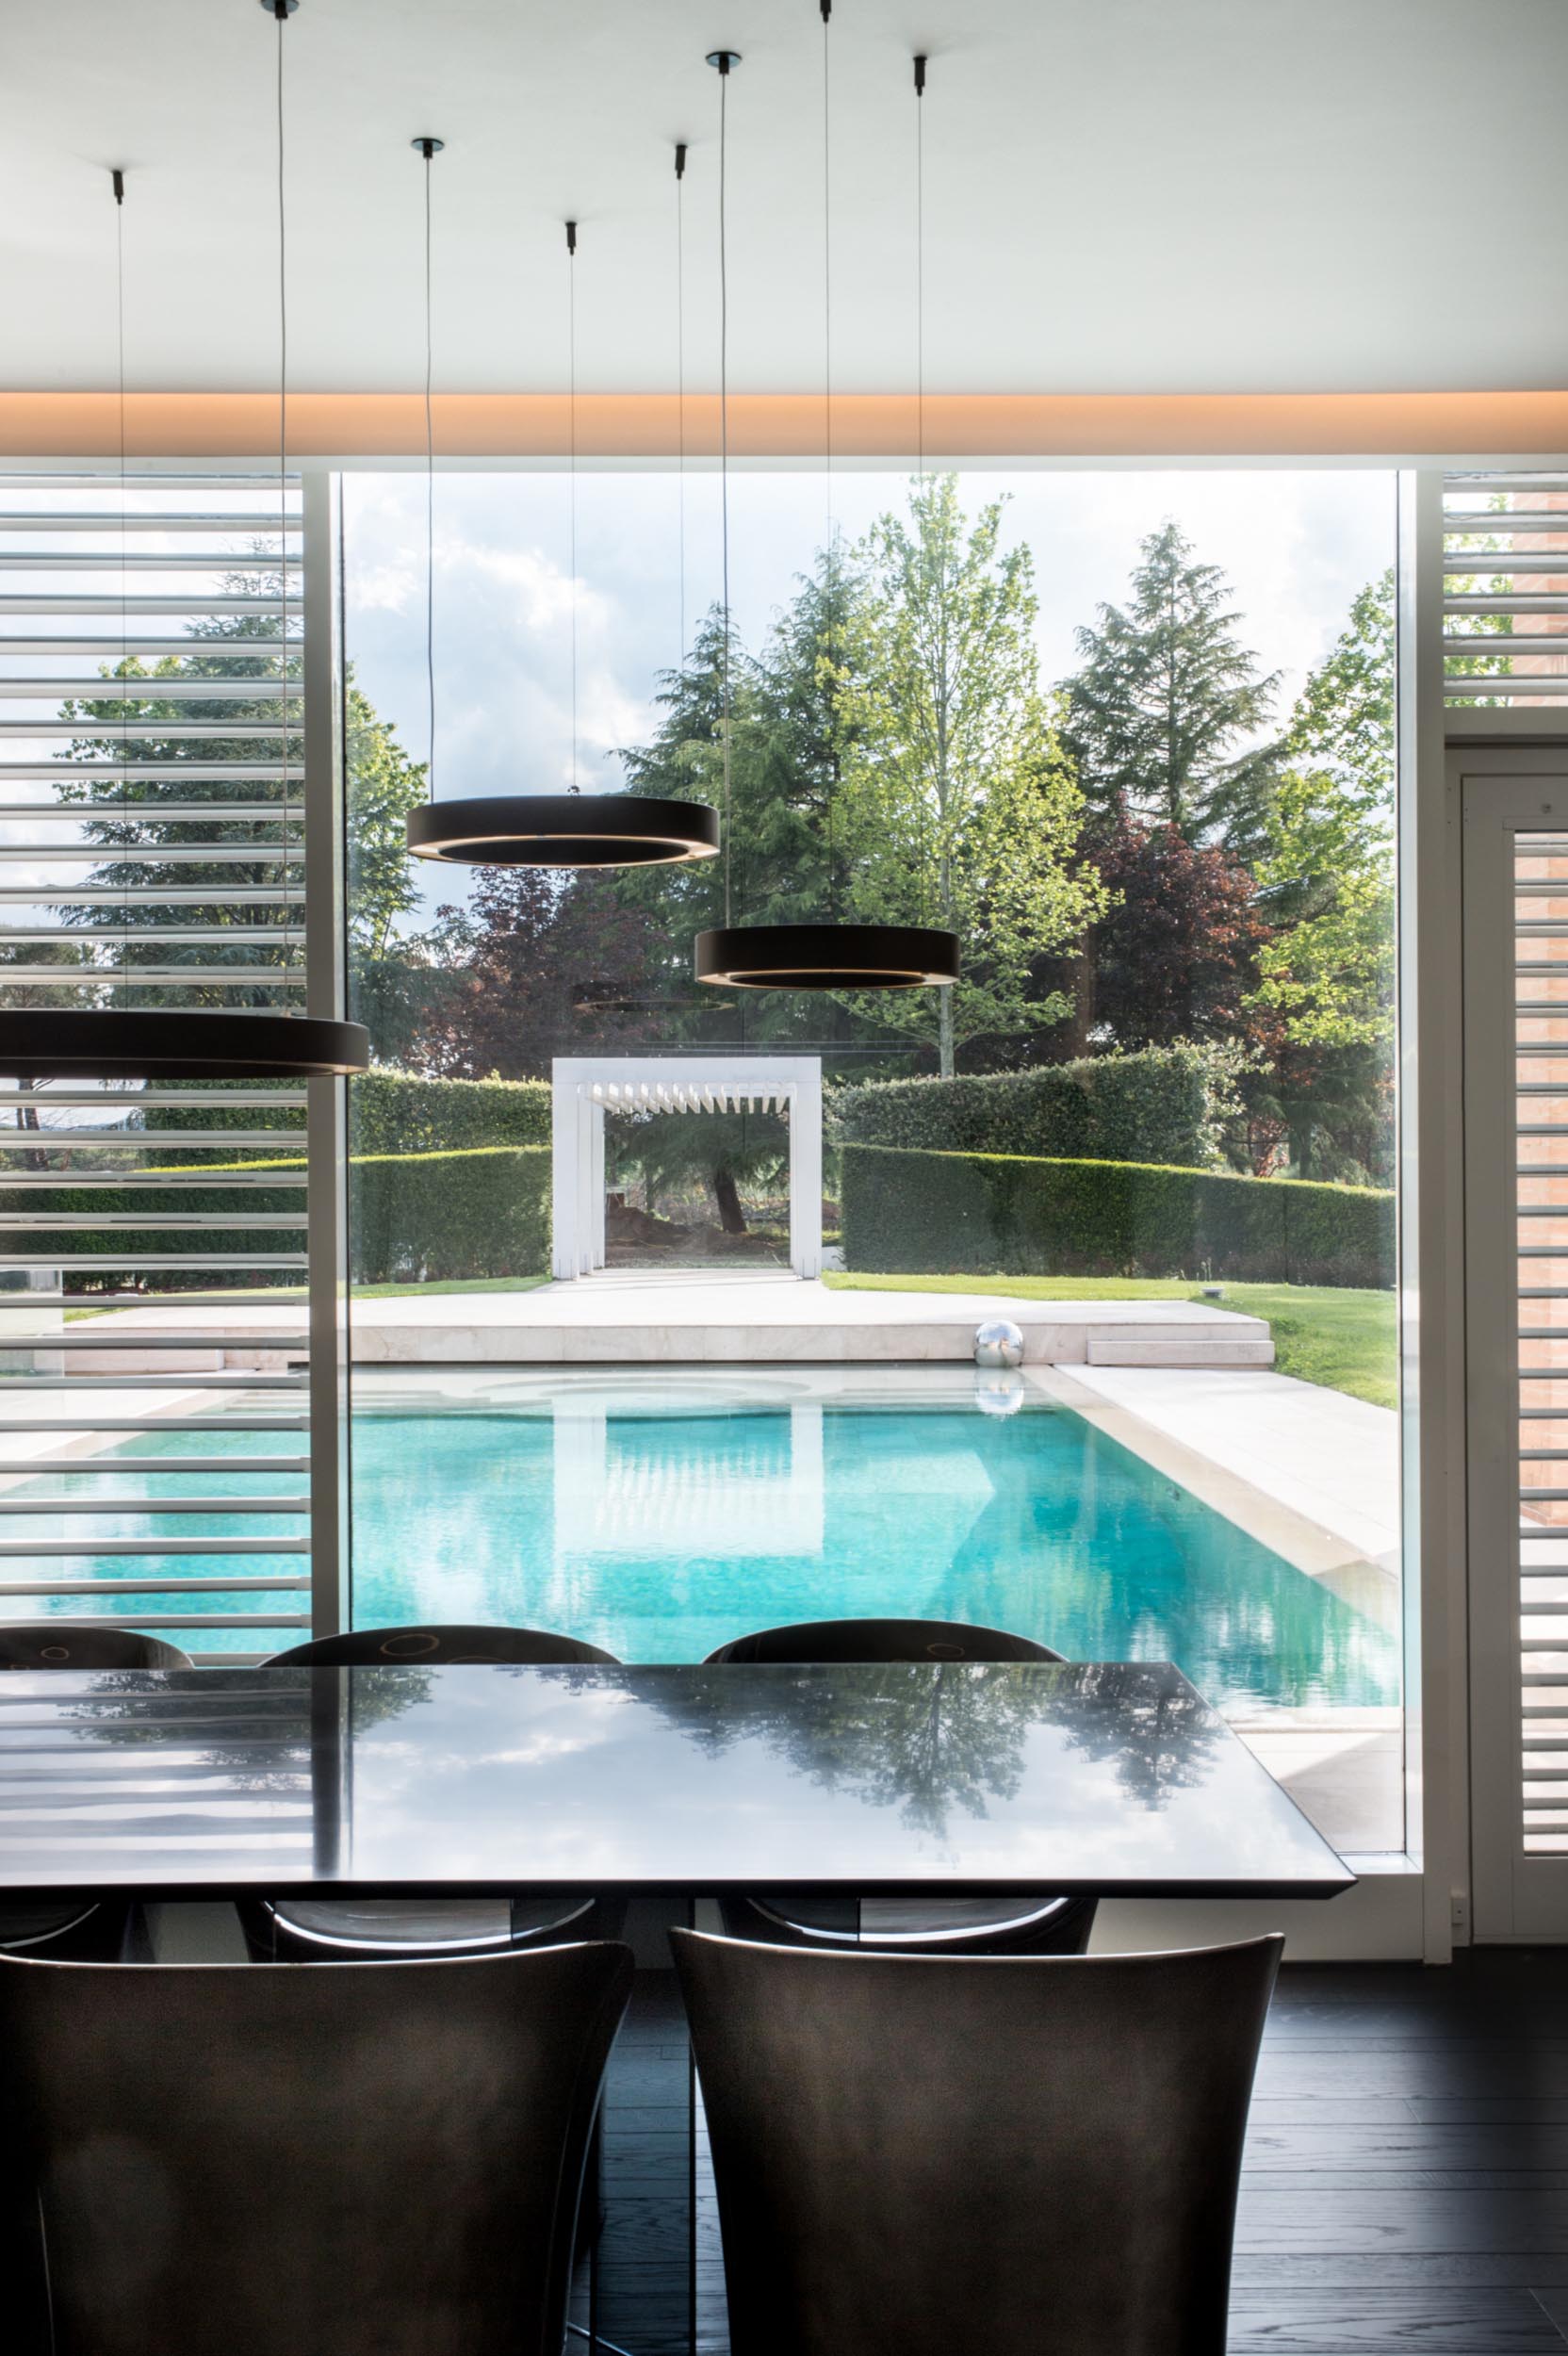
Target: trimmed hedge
pixel 1163 1105
pixel 393 1112
pixel 1012 1215
pixel 485 1212
pixel 446 1217
pixel 399 1112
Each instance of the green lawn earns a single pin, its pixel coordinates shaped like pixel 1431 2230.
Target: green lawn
pixel 1336 1335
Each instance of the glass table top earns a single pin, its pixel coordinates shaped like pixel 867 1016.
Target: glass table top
pixel 952 1778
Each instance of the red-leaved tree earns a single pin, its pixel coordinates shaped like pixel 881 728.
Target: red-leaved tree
pixel 540 966
pixel 1177 955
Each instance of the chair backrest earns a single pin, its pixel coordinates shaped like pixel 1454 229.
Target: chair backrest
pixel 58 1644
pixel 882 1640
pixel 450 1647
pixel 1005 2154
pixel 381 2160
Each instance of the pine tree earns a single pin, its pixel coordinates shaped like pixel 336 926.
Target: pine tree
pixel 786 855
pixel 1165 712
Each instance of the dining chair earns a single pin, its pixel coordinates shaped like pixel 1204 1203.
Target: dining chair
pixel 382 2161
pixel 975 2156
pixel 951 1926
pixel 75 1924
pixel 362 1930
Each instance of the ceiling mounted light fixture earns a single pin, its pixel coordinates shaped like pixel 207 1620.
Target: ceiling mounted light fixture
pixel 188 1042
pixel 826 956
pixel 572 829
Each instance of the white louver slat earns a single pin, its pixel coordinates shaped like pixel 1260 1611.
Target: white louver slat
pixel 154 1351
pixel 1505 590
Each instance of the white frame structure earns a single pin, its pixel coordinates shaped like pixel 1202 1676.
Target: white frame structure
pixel 588 1086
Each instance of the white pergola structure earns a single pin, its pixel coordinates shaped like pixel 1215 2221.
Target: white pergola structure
pixel 588 1086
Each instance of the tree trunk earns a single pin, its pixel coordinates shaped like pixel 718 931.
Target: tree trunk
pixel 731 1218
pixel 1080 1023
pixel 944 1032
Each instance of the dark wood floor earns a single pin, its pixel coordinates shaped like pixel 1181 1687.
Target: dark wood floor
pixel 1405 2187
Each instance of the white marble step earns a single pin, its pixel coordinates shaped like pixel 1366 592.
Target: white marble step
pixel 1230 1349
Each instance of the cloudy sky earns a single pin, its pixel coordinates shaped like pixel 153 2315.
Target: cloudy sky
pixel 1295 545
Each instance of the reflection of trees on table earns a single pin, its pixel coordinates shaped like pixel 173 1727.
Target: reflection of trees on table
pixel 1160 1736
pixel 116 1711
pixel 930 1741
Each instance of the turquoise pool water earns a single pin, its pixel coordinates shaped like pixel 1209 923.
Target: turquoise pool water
pixel 660 1534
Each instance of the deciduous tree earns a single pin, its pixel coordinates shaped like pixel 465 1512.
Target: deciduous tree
pixel 957 807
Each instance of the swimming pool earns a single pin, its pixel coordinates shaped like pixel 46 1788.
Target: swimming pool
pixel 657 1514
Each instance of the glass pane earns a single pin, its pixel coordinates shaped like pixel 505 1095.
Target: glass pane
pixel 1141 761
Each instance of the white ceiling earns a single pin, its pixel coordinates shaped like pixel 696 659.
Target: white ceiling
pixel 1121 195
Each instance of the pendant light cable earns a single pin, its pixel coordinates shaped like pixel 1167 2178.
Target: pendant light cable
pixel 919 269
pixel 724 59
pixel 118 183
pixel 680 382
pixel 430 149
pixel 280 11
pixel 571 490
pixel 832 583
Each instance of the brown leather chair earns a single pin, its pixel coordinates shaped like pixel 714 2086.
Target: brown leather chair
pixel 365 1930
pixel 976 2156
pixel 75 1925
pixel 380 2160
pixel 948 1926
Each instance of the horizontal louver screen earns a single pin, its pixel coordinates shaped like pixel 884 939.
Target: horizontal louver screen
pixel 153 1401
pixel 1505 590
pixel 1541 1227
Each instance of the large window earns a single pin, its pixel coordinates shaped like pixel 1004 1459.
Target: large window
pixel 1129 735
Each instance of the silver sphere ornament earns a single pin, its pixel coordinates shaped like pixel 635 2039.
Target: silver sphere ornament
pixel 998 1343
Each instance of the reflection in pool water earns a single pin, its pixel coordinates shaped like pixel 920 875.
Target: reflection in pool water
pixel 658 1535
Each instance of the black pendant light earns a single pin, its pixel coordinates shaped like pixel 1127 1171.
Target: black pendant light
pixel 830 956
pixel 563 831
pixel 191 1043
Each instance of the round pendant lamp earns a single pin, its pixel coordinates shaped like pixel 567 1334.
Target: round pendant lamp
pixel 828 955
pixel 169 1043
pixel 561 831
pixel 180 1042
pixel 564 831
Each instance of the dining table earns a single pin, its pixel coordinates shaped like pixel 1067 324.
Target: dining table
pixel 950 1779
pixel 678 1782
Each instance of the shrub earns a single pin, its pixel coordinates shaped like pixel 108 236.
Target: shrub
pixel 485 1212
pixel 399 1112
pixel 446 1217
pixel 1011 1215
pixel 1163 1105
pixel 394 1112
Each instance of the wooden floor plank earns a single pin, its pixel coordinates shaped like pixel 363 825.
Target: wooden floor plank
pixel 1373 2323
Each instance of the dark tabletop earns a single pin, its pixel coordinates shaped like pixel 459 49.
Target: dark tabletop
pixel 957 1778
